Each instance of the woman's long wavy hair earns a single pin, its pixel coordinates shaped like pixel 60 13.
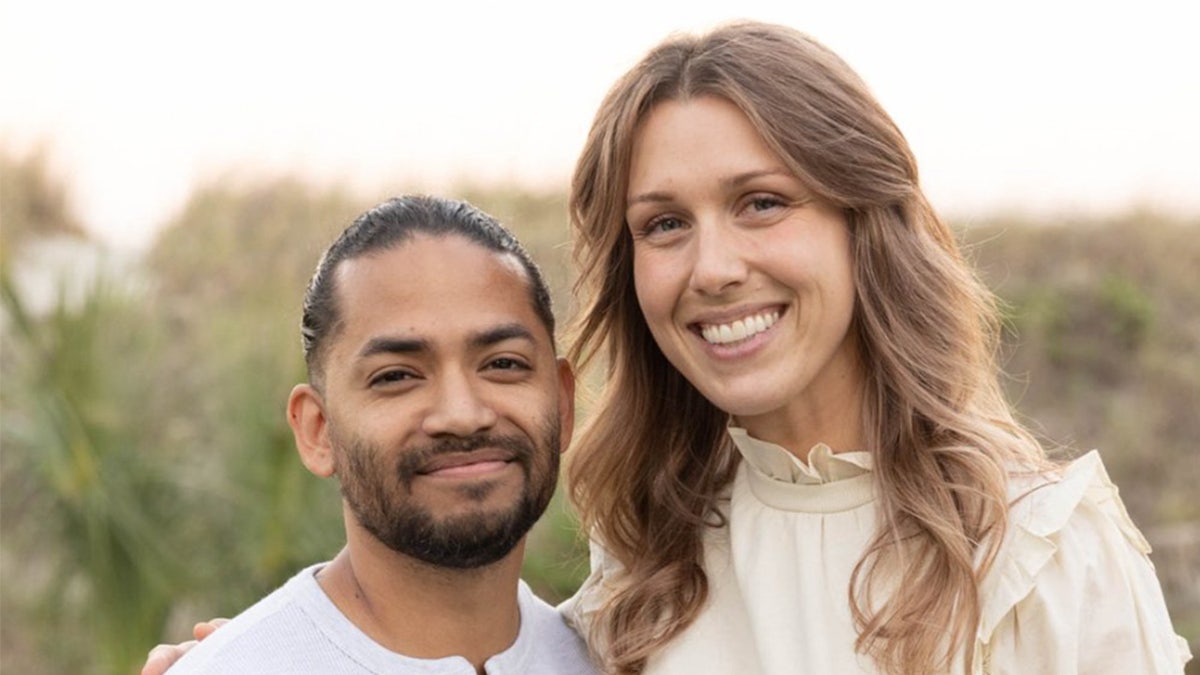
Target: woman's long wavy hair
pixel 651 467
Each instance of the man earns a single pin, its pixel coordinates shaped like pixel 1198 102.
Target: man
pixel 436 398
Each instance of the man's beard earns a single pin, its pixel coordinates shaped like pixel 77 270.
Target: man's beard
pixel 379 494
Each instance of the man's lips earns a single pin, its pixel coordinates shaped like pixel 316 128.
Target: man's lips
pixel 457 464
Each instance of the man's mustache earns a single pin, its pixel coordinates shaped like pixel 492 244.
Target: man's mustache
pixel 410 462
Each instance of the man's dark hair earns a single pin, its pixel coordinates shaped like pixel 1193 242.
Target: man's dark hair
pixel 392 224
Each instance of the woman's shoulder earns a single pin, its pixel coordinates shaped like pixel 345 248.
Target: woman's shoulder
pixel 1046 508
pixel 1044 503
pixel 1074 560
pixel 580 610
pixel 1065 513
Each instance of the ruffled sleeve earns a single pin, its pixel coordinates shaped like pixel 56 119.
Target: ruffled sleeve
pixel 1072 589
pixel 580 610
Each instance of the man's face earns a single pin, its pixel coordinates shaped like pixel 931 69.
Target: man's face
pixel 446 408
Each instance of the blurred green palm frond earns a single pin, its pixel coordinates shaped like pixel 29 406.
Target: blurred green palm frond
pixel 83 489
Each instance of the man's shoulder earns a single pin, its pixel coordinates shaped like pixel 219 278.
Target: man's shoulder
pixel 543 619
pixel 279 634
pixel 557 647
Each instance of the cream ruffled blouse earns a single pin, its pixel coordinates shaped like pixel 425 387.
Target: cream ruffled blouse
pixel 1071 591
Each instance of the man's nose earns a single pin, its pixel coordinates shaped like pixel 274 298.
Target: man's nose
pixel 458 409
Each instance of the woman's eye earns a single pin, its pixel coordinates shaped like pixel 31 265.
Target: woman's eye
pixel 661 225
pixel 765 203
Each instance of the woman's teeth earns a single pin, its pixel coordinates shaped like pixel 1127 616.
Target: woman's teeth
pixel 725 333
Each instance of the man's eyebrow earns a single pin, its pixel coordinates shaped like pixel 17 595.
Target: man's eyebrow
pixel 485 338
pixel 393 345
pixel 508 331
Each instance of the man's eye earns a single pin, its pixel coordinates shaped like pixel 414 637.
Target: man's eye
pixel 391 377
pixel 508 364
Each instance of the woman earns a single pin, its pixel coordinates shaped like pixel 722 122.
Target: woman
pixel 755 251
pixel 801 460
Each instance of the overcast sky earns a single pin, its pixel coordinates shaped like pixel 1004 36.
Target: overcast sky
pixel 1020 106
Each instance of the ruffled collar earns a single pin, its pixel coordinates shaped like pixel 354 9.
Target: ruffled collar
pixel 823 465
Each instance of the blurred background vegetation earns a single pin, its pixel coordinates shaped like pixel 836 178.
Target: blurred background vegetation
pixel 147 476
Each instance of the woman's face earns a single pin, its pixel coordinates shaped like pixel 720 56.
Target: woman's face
pixel 746 281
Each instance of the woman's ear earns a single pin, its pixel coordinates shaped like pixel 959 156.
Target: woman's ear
pixel 310 426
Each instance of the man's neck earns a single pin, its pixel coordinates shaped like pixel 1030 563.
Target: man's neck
pixel 421 610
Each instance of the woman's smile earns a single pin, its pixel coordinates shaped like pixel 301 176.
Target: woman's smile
pixel 738 330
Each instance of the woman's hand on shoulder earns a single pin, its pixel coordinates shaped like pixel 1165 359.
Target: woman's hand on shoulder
pixel 164 656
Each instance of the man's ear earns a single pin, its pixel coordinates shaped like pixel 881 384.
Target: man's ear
pixel 310 426
pixel 566 402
